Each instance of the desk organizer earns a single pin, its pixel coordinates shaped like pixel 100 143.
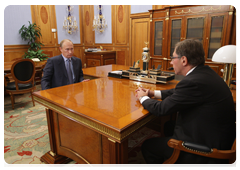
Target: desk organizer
pixel 153 76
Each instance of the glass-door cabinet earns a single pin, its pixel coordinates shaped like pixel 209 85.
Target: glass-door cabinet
pixel 175 35
pixel 195 28
pixel 215 37
pixel 213 25
pixel 158 42
pixel 186 27
pixel 158 38
pixel 176 29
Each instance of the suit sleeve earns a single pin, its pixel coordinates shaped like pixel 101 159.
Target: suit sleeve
pixel 185 95
pixel 166 93
pixel 47 75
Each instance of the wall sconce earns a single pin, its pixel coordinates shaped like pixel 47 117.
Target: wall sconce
pixel 70 23
pixel 227 55
pixel 99 23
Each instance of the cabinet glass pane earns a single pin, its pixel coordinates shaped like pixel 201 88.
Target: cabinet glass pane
pixel 158 38
pixel 215 35
pixel 195 28
pixel 175 33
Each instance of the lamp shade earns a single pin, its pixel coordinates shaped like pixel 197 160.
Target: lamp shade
pixel 225 54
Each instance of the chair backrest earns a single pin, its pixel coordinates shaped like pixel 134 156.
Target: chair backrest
pixel 23 71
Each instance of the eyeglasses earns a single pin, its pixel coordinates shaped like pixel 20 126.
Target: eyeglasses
pixel 174 57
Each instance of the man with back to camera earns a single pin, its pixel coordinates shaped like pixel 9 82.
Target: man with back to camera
pixel 63 69
pixel 203 101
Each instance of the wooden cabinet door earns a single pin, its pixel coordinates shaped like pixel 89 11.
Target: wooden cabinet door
pixel 176 33
pixel 216 33
pixel 196 27
pixel 158 48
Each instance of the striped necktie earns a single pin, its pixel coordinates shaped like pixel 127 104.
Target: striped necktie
pixel 69 71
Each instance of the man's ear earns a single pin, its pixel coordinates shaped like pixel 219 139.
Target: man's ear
pixel 184 60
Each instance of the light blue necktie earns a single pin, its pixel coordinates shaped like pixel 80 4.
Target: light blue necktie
pixel 69 71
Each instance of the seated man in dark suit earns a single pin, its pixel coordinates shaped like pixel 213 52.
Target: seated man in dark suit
pixel 203 101
pixel 60 71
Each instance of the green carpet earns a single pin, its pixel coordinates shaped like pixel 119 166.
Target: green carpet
pixel 26 133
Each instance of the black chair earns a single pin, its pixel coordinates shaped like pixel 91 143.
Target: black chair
pixel 202 150
pixel 23 74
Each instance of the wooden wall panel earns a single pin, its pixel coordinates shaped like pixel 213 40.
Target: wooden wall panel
pixel 45 17
pixel 122 55
pixel 78 52
pixel 51 51
pixel 216 67
pixel 81 24
pixel 88 11
pixel 140 33
pixel 156 62
pixel 12 53
pixel 161 6
pixel 121 24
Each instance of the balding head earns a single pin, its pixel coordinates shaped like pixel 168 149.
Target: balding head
pixel 61 43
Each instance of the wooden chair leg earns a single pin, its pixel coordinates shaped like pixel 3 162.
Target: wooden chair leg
pixel 12 100
pixel 33 100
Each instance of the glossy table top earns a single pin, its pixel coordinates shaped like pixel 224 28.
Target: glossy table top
pixel 108 101
pixel 102 71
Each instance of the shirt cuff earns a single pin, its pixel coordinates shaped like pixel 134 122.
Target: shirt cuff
pixel 143 99
pixel 157 94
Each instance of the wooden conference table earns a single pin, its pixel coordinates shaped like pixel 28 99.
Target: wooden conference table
pixel 90 122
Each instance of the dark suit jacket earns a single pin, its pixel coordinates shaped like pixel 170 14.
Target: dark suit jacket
pixel 206 111
pixel 55 73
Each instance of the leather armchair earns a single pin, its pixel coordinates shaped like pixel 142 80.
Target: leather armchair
pixel 202 150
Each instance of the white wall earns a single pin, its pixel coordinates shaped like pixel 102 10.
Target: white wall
pixel 14 17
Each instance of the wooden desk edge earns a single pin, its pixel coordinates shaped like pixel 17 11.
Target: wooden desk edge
pixel 104 130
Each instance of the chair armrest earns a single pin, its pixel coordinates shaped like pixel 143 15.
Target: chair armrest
pixel 219 154
pixel 197 147
pixel 6 78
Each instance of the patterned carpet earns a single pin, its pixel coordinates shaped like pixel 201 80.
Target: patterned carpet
pixel 26 133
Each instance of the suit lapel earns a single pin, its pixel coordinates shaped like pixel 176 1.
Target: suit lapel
pixel 62 65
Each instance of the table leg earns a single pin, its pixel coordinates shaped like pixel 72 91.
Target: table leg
pixel 118 152
pixel 52 157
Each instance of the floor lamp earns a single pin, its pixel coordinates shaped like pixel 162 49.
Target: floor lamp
pixel 227 55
